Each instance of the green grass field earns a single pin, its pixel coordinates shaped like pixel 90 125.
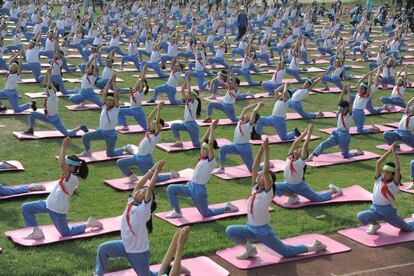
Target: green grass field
pixel 93 198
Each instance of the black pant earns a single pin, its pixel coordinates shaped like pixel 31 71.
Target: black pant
pixel 242 31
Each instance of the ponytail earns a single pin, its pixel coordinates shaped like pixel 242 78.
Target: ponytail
pixel 146 87
pixel 153 207
pixel 198 111
pixel 81 171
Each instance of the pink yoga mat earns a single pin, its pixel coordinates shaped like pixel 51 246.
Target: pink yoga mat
pixel 86 107
pixel 37 95
pixel 48 184
pixel 100 156
pixel 335 90
pixel 192 215
pixel 139 129
pixel 242 172
pixel 353 130
pixel 10 112
pixel 187 145
pixel 296 116
pixel 222 122
pixel 198 266
pixel 44 134
pixel 394 125
pixel 336 158
pixel 121 183
pixel 354 193
pixel 386 235
pixel 266 256
pixel 396 109
pixel 404 149
pixel 275 139
pixel 16 166
pixel 407 187
pixel 52 235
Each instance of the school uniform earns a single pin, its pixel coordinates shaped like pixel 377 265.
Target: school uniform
pixel 277 121
pixel 396 97
pixel 170 88
pixel 49 49
pixel 333 75
pixel 10 92
pixel 294 69
pixel 218 58
pixel 114 45
pixel 263 55
pixel 383 197
pixel 239 50
pixel 189 124
pixel 143 158
pixel 51 114
pixel 403 133
pixel 246 66
pixel 358 114
pixel 275 82
pixel 154 64
pixel 378 61
pixel 172 52
pixel 56 206
pixel 240 146
pixel 196 188
pixel 102 80
pixel 56 75
pixel 295 183
pixel 295 103
pixel 257 227
pixel 134 243
pixel 388 75
pixel 340 137
pixel 86 92
pixel 106 131
pixel 132 55
pixel 200 68
pixel 227 105
pixel 135 110
pixel 33 63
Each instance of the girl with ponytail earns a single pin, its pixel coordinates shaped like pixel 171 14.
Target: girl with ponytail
pixel 136 111
pixel 136 224
pixel 57 203
pixel 192 111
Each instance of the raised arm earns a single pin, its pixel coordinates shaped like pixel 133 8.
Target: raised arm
pixel 397 173
pixel 211 153
pixel 255 112
pixel 297 141
pixel 380 162
pixel 62 156
pixel 151 186
pixel 256 164
pixel 115 89
pixel 305 148
pixel 266 166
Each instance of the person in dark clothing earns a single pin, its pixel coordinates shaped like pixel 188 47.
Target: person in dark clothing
pixel 242 22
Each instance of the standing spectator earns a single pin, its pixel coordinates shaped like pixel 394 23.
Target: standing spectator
pixel 369 9
pixel 241 23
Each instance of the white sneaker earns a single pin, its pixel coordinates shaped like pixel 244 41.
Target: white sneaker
pixel 85 153
pixel 177 145
pixel 292 200
pixel 318 246
pixel 37 234
pixel 232 207
pixel 125 128
pixel 310 158
pixel 373 228
pixel 335 189
pixel 218 171
pixel 93 223
pixel 131 149
pixel 250 251
pixel 174 214
pixel 270 165
pixel 37 187
pixel 174 174
pixel 132 179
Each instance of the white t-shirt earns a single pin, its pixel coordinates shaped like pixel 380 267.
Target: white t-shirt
pixel 388 72
pixel 58 200
pixel 136 241
pixel 343 123
pixel 230 97
pixel 88 81
pixel 135 99
pixel 11 81
pixel 398 92
pixel 172 50
pixel 280 108
pixel 49 45
pixel 406 123
pixel 293 172
pixel 174 79
pixel 202 171
pixel 278 76
pixel 109 118
pixel 155 57
pixel 107 73
pixel 384 195
pixel 190 110
pixel 246 62
pixel 52 103
pixel 32 55
pixel 242 132
pixel 262 201
pixel 300 94
pixel 56 66
pixel 148 143
pixel 294 63
pixel 337 71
